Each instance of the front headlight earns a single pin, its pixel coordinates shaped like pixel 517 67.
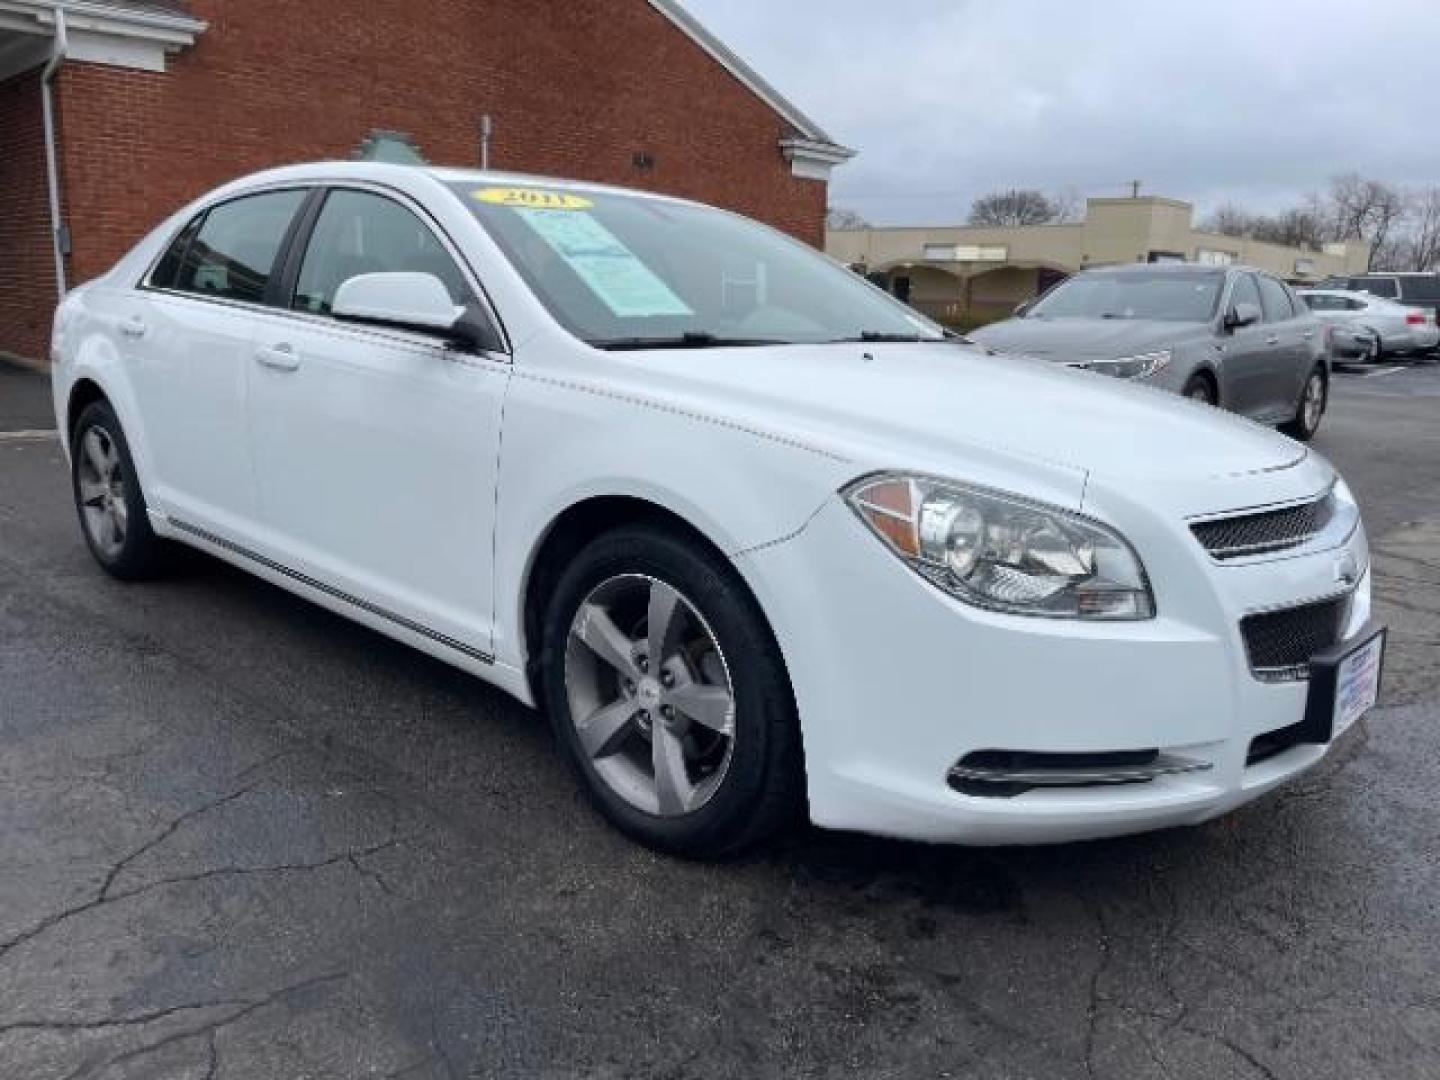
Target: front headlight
pixel 1004 553
pixel 1141 366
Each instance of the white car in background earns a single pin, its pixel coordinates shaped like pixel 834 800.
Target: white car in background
pixel 1388 328
pixel 758 538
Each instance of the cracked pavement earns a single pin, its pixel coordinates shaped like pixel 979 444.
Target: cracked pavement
pixel 241 837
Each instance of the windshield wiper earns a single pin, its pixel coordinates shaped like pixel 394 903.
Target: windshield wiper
pixel 691 339
pixel 880 336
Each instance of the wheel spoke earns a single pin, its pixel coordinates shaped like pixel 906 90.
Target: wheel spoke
pixel 95 454
pixel 660 621
pixel 605 730
pixel 92 492
pixel 673 789
pixel 121 514
pixel 598 631
pixel 709 706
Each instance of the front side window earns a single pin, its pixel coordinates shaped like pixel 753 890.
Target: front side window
pixel 1245 291
pixel 1274 300
pixel 357 233
pixel 631 271
pixel 232 254
pixel 1139 295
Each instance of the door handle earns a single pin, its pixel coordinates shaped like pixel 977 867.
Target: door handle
pixel 1308 334
pixel 1273 339
pixel 134 327
pixel 282 357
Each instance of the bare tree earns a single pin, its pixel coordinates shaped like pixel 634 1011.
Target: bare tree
pixel 1066 206
pixel 839 217
pixel 1366 210
pixel 1228 219
pixel 1423 248
pixel 1018 206
pixel 1296 227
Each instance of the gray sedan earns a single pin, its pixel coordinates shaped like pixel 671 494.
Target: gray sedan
pixel 1227 336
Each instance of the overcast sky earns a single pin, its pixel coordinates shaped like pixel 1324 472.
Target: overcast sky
pixel 1256 101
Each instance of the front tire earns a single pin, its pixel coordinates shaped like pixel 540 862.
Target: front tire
pixel 1201 389
pixel 1313 401
pixel 108 499
pixel 669 696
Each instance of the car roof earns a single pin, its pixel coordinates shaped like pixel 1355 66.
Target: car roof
pixel 383 172
pixel 1178 269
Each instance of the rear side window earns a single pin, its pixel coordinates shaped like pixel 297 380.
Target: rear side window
pixel 360 233
pixel 1424 287
pixel 1325 303
pixel 1383 286
pixel 232 254
pixel 1274 300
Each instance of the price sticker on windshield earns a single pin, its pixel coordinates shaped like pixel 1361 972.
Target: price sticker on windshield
pixel 532 198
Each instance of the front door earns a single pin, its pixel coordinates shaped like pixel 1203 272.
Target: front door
pixel 1287 356
pixel 187 339
pixel 375 448
pixel 1246 357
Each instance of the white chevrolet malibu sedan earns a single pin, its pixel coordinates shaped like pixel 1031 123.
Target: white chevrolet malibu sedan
pixel 758 538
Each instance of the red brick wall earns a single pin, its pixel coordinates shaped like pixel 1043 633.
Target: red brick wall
pixel 27 267
pixel 575 89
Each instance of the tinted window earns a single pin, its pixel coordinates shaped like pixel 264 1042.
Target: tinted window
pixel 1420 287
pixel 167 270
pixel 1384 286
pixel 1245 291
pixel 360 233
pixel 1274 300
pixel 233 254
pixel 1110 295
pixel 1325 303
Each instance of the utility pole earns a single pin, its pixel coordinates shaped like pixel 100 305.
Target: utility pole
pixel 1134 189
pixel 487 128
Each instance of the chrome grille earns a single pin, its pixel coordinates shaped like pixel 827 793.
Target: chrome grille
pixel 1266 531
pixel 1280 644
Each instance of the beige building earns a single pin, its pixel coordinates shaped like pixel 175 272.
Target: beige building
pixel 967 276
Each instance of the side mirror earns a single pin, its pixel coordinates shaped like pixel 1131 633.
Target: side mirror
pixel 1242 314
pixel 412 301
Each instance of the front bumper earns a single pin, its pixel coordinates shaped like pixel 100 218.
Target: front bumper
pixel 896 683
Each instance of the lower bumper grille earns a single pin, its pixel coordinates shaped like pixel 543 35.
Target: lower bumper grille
pixel 1002 773
pixel 1279 644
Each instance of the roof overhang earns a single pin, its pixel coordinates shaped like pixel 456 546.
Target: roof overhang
pixel 117 34
pixel 811 152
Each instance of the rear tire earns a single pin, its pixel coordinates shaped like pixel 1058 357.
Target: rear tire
pixel 636 731
pixel 1313 401
pixel 108 499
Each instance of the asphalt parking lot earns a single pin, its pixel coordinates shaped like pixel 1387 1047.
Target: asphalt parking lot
pixel 241 837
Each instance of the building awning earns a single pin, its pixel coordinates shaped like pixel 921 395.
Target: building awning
pixel 137 34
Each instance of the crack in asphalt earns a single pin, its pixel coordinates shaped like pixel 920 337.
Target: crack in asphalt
pixel 1092 1009
pixel 207 1030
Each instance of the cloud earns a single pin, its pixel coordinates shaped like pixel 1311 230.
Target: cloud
pixel 1257 102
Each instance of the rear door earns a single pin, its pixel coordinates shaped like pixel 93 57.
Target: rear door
pixel 1286 359
pixel 376 448
pixel 187 343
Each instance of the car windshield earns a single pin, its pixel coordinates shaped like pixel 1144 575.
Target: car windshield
pixel 1168 297
pixel 630 271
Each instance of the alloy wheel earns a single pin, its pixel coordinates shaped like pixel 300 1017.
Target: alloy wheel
pixel 1314 403
pixel 102 491
pixel 650 695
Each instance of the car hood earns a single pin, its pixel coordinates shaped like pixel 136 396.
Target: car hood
pixel 1068 340
pixel 960 411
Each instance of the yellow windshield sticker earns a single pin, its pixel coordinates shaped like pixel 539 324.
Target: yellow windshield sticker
pixel 533 198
